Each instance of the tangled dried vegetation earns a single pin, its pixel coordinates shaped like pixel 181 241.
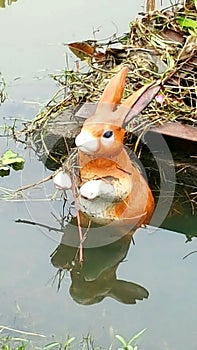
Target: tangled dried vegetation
pixel 159 45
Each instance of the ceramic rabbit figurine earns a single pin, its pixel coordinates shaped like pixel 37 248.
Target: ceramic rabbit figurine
pixel 111 188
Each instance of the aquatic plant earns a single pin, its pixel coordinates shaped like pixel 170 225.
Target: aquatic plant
pixel 10 160
pixel 131 344
pixel 87 343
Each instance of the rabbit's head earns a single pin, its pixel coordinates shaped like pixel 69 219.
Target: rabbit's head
pixel 103 132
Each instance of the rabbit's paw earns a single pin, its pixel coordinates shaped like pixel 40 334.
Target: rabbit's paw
pixel 91 189
pixel 97 188
pixel 62 181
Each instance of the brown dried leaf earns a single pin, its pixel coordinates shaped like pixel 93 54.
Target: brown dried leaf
pixel 82 50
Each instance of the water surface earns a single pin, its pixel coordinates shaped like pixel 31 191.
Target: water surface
pixel 31 49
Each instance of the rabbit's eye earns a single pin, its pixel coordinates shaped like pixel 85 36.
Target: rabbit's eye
pixel 108 134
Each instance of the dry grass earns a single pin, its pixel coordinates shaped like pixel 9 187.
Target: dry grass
pixel 159 45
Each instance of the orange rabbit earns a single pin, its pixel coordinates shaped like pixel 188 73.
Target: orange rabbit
pixel 111 188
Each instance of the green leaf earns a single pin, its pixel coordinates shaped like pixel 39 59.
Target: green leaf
pixel 51 345
pixel 5 347
pixel 121 339
pixel 18 165
pixel 124 39
pixel 129 347
pixel 68 342
pixel 192 31
pixel 156 40
pixel 170 60
pixel 9 154
pixel 22 347
pixel 136 336
pixel 12 159
pixel 187 22
pixel 4 171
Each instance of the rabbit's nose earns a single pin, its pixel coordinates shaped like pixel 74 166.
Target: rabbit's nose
pixel 86 142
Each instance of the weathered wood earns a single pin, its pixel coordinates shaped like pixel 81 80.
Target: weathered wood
pixel 179 130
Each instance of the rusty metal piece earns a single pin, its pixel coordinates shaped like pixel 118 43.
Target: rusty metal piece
pixel 177 130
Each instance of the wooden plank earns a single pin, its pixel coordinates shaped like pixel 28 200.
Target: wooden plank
pixel 177 129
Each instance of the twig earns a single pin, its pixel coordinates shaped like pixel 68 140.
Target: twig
pixel 21 332
pixel 78 224
pixel 38 182
pixel 38 224
pixel 81 238
pixel 195 251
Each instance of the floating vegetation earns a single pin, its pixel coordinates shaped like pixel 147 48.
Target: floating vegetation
pixel 86 343
pixel 160 45
pixel 10 160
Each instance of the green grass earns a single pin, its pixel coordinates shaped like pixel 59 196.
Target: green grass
pixel 87 343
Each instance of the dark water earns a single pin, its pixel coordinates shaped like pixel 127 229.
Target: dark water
pixel 153 268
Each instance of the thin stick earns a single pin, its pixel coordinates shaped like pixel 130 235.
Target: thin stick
pixel 195 251
pixel 38 182
pixel 49 228
pixel 21 332
pixel 78 220
pixel 80 237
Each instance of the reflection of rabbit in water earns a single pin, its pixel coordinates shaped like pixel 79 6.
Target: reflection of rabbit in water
pixel 112 192
pixel 96 279
pixel 111 188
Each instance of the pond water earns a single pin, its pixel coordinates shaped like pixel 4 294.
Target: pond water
pixel 31 250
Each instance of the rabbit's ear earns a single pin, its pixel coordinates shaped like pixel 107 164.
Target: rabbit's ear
pixel 137 102
pixel 113 92
pixel 86 110
pixel 110 98
pixel 127 292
